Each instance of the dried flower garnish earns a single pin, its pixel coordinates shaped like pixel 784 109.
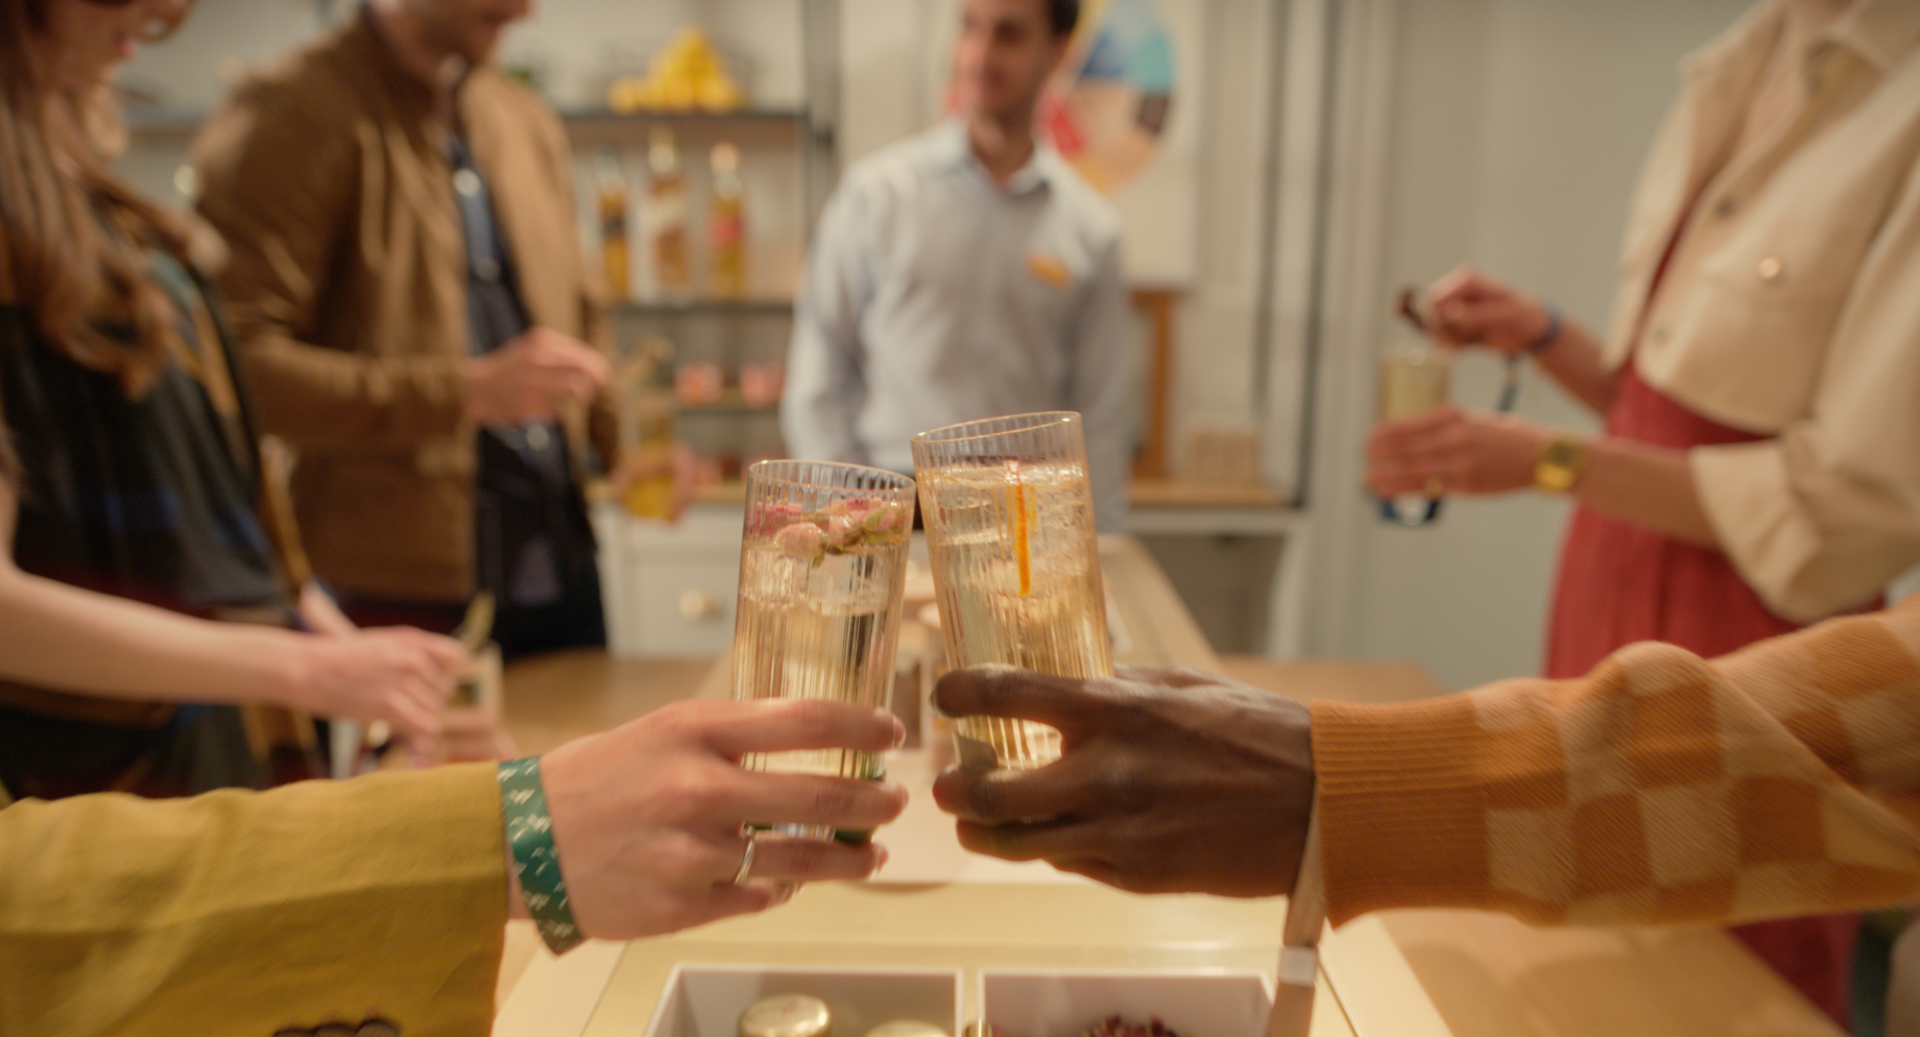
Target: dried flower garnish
pixel 888 518
pixel 802 538
pixel 769 519
pixel 842 531
pixel 843 526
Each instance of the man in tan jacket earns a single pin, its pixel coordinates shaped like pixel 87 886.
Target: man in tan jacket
pixel 417 317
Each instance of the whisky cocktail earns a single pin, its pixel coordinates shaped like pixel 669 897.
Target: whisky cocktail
pixel 1016 566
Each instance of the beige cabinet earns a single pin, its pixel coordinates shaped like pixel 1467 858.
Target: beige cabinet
pixel 669 590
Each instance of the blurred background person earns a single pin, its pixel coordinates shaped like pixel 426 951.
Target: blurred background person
pixel 140 473
pixel 966 273
pixel 103 318
pixel 415 312
pixel 1760 465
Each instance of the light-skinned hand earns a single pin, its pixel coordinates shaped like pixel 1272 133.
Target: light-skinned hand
pixel 319 613
pixel 527 378
pixel 1451 450
pixel 1471 309
pixel 647 817
pixel 1169 781
pixel 397 674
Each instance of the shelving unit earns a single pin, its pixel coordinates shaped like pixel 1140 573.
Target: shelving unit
pixel 712 307
pixel 671 588
pixel 730 402
pixel 788 166
pixel 589 117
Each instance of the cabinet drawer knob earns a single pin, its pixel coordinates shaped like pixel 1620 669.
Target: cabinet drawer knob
pixel 696 604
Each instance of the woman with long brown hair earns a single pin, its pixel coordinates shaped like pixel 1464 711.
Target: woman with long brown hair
pixel 375 904
pixel 130 503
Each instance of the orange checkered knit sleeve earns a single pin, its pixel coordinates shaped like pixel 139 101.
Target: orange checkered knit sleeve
pixel 1781 780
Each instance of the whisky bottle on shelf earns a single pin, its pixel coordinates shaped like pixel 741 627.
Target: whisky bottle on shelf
pixel 727 226
pixel 610 190
pixel 667 217
pixel 647 429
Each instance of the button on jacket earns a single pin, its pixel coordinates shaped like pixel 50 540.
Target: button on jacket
pixel 1791 305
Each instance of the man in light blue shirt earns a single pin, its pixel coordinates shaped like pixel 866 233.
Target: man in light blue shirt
pixel 966 273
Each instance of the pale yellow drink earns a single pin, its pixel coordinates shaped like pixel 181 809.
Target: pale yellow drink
pixel 646 428
pixel 822 575
pixel 817 630
pixel 1017 570
pixel 650 417
pixel 1413 379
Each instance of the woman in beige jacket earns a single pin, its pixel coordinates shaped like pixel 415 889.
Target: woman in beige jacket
pixel 1760 384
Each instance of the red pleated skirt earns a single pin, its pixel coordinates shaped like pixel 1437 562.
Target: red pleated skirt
pixel 1621 583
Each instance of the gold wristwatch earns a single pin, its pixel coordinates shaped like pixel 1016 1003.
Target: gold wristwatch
pixel 1562 460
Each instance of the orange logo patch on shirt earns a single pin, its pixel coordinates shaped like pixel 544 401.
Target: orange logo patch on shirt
pixel 1049 270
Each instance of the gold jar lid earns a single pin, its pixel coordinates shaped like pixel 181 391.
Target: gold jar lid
pixel 906 1028
pixel 786 1015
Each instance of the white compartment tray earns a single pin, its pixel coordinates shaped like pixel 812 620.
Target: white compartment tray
pixel 1066 1004
pixel 706 1000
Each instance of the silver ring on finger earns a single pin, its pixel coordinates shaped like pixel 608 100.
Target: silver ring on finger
pixel 746 859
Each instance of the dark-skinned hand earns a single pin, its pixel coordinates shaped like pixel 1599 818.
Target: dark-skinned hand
pixel 1169 781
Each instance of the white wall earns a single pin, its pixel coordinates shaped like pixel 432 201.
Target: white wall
pixel 1216 336
pixel 1507 134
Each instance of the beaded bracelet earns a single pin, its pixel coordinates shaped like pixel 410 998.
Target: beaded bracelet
pixel 523 807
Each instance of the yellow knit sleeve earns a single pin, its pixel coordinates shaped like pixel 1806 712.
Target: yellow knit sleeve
pixel 244 913
pixel 1781 780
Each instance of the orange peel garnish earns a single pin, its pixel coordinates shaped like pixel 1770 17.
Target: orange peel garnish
pixel 1022 553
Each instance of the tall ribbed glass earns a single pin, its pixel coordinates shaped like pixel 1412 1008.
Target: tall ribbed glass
pixel 1016 566
pixel 1413 379
pixel 823 565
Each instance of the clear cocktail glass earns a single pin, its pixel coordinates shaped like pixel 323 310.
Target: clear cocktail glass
pixel 823 565
pixel 1413 378
pixel 1016 566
